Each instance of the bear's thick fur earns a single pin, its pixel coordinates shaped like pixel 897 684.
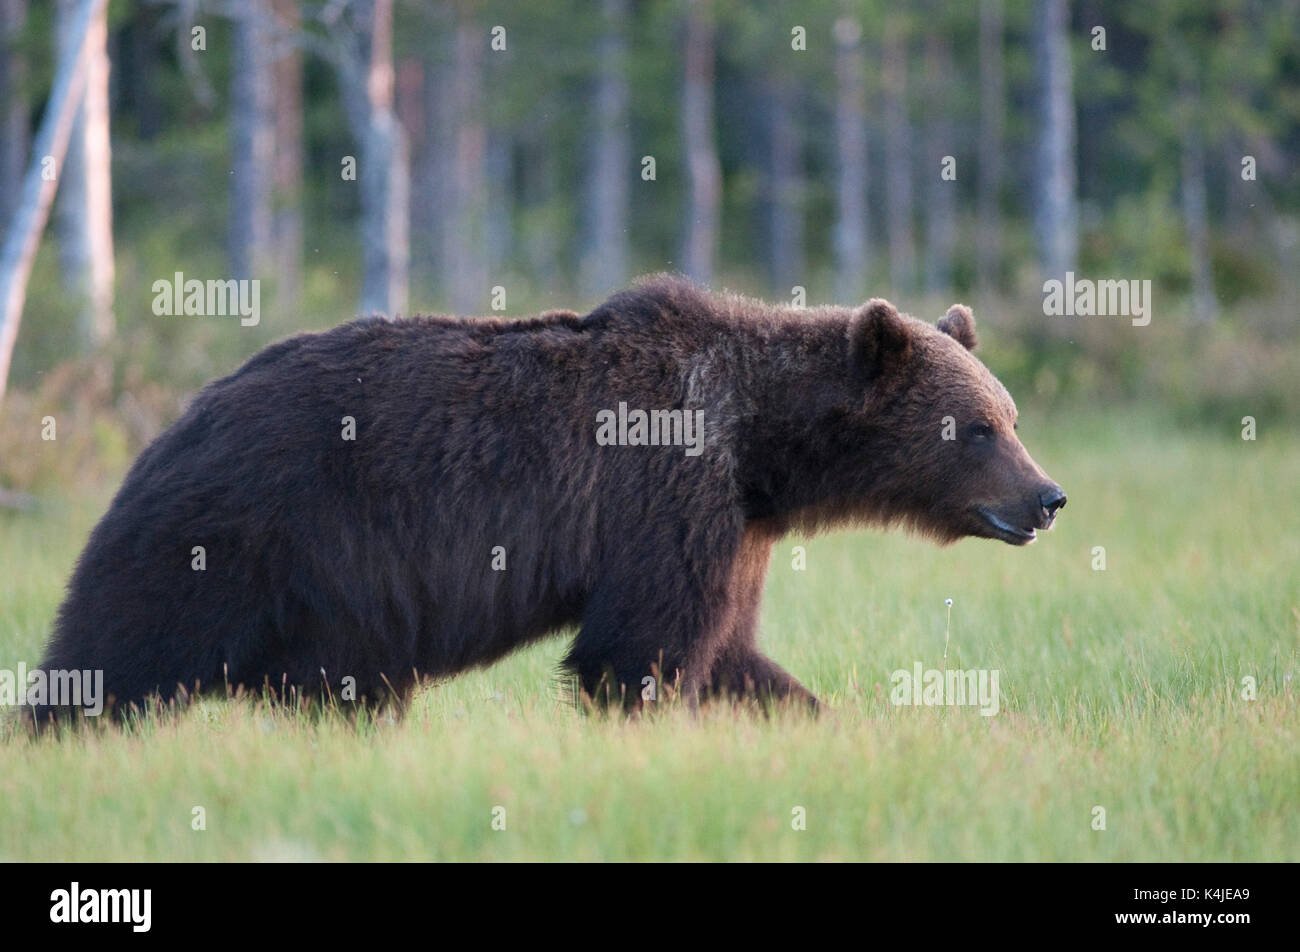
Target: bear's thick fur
pixel 478 505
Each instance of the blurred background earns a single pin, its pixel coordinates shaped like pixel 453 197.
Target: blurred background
pixel 404 157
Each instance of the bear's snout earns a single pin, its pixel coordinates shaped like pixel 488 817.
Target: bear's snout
pixel 1051 499
pixel 1018 523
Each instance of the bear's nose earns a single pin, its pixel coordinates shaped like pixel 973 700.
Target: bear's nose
pixel 1052 499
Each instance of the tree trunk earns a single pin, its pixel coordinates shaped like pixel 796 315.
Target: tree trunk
pixel 385 180
pixel 410 106
pixel 1196 222
pixel 1238 195
pixel 14 111
pixel 604 266
pixel 786 264
pixel 432 196
pixel 252 145
pixel 33 209
pixel 84 213
pixel 1056 213
pixel 702 165
pixel 941 213
pixel 852 252
pixel 464 237
pixel 286 220
pixel 898 159
pixel 988 244
pixel 138 66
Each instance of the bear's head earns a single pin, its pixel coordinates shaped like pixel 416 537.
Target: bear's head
pixel 938 431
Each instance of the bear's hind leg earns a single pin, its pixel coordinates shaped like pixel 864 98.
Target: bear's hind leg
pixel 634 652
pixel 655 628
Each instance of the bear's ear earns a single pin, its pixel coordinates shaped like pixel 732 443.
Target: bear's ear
pixel 959 324
pixel 878 336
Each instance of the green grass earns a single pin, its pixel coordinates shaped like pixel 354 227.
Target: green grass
pixel 1120 688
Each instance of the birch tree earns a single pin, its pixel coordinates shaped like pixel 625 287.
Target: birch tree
pixel 898 155
pixel 703 169
pixel 252 140
pixel 14 112
pixel 786 261
pixel 988 244
pixel 604 265
pixel 84 211
pixel 941 186
pixel 362 51
pixel 464 236
pixel 1056 216
pixel 33 209
pixel 852 251
pixel 286 174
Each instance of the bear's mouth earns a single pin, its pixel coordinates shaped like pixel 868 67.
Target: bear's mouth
pixel 1001 529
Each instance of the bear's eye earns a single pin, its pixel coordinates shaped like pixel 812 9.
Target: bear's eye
pixel 980 431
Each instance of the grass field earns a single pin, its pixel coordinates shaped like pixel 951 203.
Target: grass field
pixel 1120 689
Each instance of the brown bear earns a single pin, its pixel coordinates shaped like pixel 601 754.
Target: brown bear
pixel 392 501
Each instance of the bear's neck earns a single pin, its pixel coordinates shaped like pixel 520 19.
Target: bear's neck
pixel 795 469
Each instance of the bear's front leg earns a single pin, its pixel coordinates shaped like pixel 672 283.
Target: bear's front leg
pixel 747 673
pixel 740 670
